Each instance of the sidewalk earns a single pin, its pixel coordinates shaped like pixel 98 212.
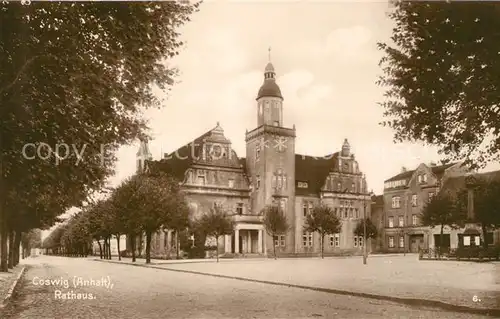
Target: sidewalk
pixel 8 282
pixel 459 286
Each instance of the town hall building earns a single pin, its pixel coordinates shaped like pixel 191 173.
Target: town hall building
pixel 212 175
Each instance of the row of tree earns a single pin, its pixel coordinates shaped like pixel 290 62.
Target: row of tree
pixel 150 202
pixel 75 78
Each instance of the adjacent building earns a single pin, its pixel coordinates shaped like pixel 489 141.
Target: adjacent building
pixel 405 195
pixel 212 174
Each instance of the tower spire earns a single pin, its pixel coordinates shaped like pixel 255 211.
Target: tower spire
pixel 269 53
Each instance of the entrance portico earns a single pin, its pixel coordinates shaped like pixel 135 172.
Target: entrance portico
pixel 246 239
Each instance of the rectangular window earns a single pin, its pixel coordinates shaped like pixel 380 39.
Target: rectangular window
pixel 477 240
pixel 396 202
pixel 391 241
pixel 304 209
pixel 401 242
pixel 231 183
pixel 420 178
pixel 280 182
pixel 307 239
pixel 345 212
pixel 310 208
pixel 337 240
pixel 274 181
pixel 391 222
pixel 360 241
pixel 279 240
pixel 357 212
pixel 332 240
pixel 424 178
pixel 201 180
pixel 239 208
pixel 284 181
pixel 401 221
pixel 414 220
pixel 353 187
pixel 414 200
pixel 466 240
pixel 257 153
pixel 355 241
pixel 257 186
pixel 350 212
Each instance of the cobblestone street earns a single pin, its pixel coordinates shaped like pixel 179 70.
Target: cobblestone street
pixel 139 292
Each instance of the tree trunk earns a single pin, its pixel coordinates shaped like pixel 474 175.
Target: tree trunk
pixel 274 247
pixel 217 245
pixel 441 240
pixel 177 243
pixel 11 249
pixel 17 247
pixel 100 248
pixel 109 247
pixel 4 264
pixel 3 217
pixel 322 246
pixel 484 229
pixel 148 247
pixel 132 244
pixel 118 246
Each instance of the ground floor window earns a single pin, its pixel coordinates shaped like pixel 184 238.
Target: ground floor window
pixel 307 239
pixel 401 242
pixel 358 241
pixel 279 240
pixel 335 240
pixel 391 241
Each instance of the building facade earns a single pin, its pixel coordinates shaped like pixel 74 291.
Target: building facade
pixel 271 173
pixel 405 195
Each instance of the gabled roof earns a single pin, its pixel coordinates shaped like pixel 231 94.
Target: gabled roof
pixel 179 161
pixel 455 184
pixel 314 171
pixel 436 170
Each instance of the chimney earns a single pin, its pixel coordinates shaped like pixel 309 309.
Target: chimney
pixel 403 169
pixel 432 164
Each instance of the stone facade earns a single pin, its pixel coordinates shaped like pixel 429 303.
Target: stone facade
pixel 271 173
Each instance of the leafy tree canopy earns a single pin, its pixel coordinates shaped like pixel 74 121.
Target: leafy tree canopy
pixel 441 74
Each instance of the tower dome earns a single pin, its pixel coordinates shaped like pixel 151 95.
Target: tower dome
pixel 269 88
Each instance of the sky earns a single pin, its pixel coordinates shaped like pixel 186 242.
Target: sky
pixel 326 62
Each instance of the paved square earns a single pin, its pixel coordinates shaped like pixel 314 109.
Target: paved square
pixel 396 276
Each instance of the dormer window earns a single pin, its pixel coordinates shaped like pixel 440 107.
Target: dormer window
pixel 424 178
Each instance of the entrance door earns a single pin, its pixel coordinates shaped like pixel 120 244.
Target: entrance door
pixel 416 242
